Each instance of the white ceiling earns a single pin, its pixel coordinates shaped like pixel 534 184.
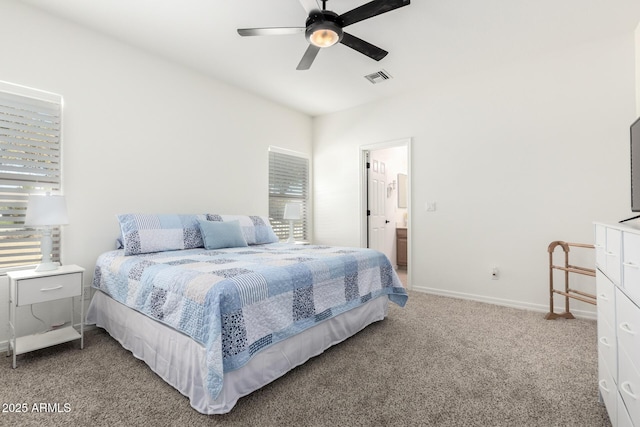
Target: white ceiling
pixel 427 40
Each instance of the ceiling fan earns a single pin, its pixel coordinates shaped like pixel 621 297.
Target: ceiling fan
pixel 323 28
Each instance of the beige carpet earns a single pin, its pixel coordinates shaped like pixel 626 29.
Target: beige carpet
pixel 437 362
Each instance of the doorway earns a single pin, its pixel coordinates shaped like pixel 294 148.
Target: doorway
pixel 386 201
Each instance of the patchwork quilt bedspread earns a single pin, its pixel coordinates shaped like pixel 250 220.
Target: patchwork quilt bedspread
pixel 238 301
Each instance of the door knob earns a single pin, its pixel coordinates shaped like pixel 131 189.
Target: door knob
pixel 386 221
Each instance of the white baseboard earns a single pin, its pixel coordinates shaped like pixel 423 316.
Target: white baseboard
pixel 581 314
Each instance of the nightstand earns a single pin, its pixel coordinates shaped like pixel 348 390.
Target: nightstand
pixel 27 287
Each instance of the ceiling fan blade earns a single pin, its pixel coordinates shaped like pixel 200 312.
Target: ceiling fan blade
pixel 275 31
pixel 363 47
pixel 310 5
pixel 308 57
pixel 371 9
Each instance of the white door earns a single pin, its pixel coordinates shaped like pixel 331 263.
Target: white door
pixel 381 211
pixel 376 199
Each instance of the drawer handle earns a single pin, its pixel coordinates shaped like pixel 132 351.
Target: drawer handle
pixel 631 264
pixel 51 289
pixel 603 385
pixel 604 342
pixel 625 327
pixel 626 387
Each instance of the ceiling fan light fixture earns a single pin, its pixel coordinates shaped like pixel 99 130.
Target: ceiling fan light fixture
pixel 324 37
pixel 323 30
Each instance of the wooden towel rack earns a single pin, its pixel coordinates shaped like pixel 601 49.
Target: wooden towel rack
pixel 567 268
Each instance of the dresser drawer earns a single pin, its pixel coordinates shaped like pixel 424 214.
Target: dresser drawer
pixel 601 246
pixel 628 324
pixel 622 419
pixel 631 265
pixel 41 289
pixel 629 384
pixel 613 260
pixel 608 390
pixel 606 302
pixel 608 347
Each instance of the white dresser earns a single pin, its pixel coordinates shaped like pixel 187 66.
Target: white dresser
pixel 618 293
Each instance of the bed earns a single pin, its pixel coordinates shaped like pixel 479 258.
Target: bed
pixel 218 308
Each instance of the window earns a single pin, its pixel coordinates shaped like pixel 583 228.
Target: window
pixel 288 182
pixel 30 157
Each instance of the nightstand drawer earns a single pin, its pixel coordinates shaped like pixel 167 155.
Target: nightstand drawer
pixel 41 289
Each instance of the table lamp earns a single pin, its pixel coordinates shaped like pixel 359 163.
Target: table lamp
pixel 292 212
pixel 46 211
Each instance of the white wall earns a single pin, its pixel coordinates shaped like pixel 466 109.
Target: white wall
pixel 515 155
pixel 142 134
pixel 637 37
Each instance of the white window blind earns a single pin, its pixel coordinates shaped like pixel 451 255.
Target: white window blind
pixel 288 182
pixel 30 163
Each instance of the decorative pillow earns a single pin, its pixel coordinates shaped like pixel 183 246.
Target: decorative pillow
pixel 218 235
pixel 144 233
pixel 256 229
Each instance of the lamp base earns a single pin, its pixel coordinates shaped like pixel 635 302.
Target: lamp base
pixel 47 266
pixel 291 238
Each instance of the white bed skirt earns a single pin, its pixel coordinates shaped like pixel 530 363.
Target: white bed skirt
pixel 180 360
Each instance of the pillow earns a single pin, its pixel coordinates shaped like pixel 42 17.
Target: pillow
pixel 145 233
pixel 256 229
pixel 218 235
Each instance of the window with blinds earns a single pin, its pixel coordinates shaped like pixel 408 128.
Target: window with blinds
pixel 30 163
pixel 288 182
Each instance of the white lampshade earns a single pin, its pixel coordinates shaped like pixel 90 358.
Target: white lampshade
pixel 292 211
pixel 46 210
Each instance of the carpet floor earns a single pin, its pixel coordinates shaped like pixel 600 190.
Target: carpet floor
pixel 437 362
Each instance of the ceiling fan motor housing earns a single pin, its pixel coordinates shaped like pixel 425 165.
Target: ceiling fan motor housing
pixel 325 20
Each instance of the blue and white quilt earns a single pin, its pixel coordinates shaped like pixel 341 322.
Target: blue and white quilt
pixel 238 301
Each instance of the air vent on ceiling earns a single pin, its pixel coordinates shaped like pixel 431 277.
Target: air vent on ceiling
pixel 378 77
